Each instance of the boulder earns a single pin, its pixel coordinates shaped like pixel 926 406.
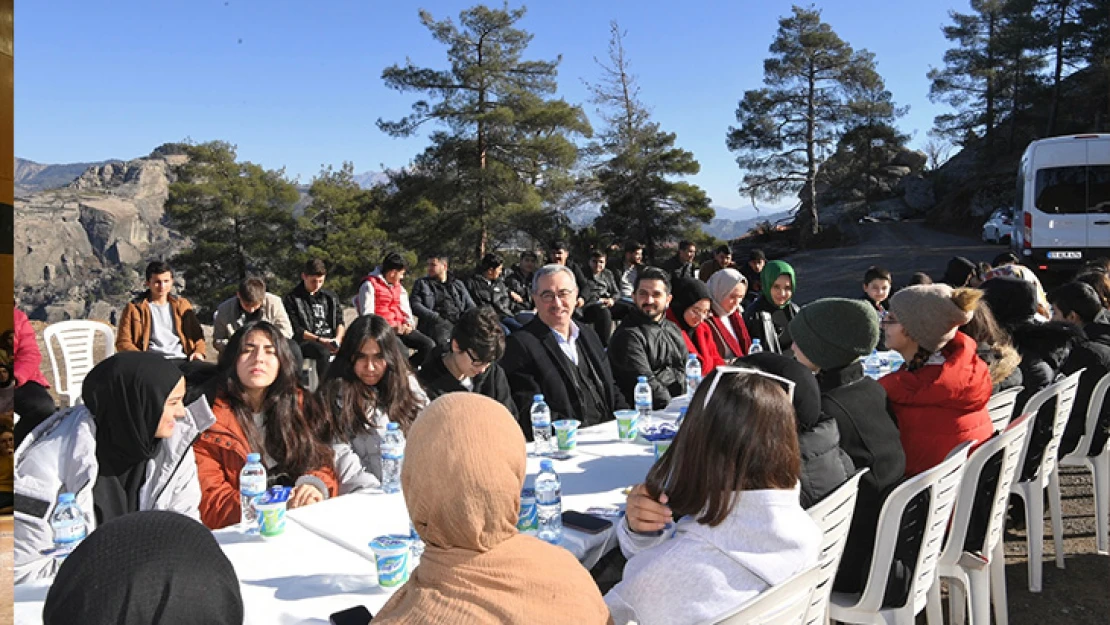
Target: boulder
pixel 893 208
pixel 103 311
pixel 917 192
pixel 894 171
pixel 69 309
pixel 832 214
pixel 914 159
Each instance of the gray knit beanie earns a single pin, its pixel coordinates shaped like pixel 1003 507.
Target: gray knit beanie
pixel 833 332
pixel 928 314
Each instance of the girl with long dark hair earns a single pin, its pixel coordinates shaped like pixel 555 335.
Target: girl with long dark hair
pixel 369 385
pixel 261 407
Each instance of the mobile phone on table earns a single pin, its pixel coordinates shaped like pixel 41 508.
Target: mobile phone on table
pixel 357 615
pixel 585 522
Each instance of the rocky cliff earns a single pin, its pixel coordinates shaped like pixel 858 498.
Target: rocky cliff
pixel 79 248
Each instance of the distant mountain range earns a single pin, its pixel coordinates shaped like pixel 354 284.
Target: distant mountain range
pixel 31 176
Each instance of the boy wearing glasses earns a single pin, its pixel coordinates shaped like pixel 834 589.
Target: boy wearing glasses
pixel 469 363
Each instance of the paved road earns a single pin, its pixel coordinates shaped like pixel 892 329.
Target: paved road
pixel 902 247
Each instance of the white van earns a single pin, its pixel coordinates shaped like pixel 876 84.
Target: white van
pixel 1062 207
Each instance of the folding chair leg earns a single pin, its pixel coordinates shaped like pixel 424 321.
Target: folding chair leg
pixel 934 612
pixel 979 591
pixel 1056 511
pixel 998 584
pixel 1034 534
pixel 957 601
pixel 1100 467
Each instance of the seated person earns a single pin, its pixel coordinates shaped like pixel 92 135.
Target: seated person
pixel 751 272
pixel 1078 304
pixel 722 259
pixel 555 356
pixel 626 274
pixel 768 317
pixel 690 307
pixel 251 303
pixel 7 477
pixel 382 294
pixel 519 282
pixel 146 568
pixel 603 294
pixel 940 395
pixel 470 365
pixel 125 449
pixel 488 289
pixel 476 567
pixel 876 290
pixel 732 486
pixel 647 344
pixel 438 300
pixel 316 316
pixel 368 386
pixel 681 265
pixel 730 333
pixel 32 401
pixel 261 408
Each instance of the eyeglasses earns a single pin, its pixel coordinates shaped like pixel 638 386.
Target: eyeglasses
pixel 787 385
pixel 566 295
pixel 702 314
pixel 475 360
pixel 888 319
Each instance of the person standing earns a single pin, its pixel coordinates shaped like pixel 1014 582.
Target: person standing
pixel 316 316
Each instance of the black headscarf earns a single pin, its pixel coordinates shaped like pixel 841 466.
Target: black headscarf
pixel 958 271
pixel 146 568
pixel 126 395
pixel 687 292
pixel 807 393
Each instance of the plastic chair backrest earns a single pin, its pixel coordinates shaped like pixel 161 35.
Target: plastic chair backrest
pixel 833 515
pixel 1094 411
pixel 942 483
pixel 1064 392
pixel 785 604
pixel 75 338
pixel 1001 407
pixel 1009 444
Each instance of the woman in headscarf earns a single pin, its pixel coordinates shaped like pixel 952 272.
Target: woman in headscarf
pixel 730 334
pixel 127 448
pixel 476 567
pixel 260 407
pixel 690 306
pixel 768 317
pixel 147 568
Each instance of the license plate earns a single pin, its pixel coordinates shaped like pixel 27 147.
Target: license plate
pixel 1065 255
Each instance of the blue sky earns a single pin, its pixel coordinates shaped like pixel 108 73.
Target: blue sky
pixel 298 85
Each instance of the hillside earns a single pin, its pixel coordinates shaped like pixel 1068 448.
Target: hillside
pixel 31 177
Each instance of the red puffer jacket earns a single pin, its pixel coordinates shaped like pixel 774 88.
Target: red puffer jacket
pixel 941 405
pixel 702 344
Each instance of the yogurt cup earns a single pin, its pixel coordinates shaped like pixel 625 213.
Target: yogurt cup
pixel 391 556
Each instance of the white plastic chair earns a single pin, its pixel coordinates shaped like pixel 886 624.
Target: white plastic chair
pixel 1099 465
pixel 833 515
pixel 941 483
pixel 785 604
pixel 1001 407
pixel 1031 491
pixel 75 338
pixel 972 575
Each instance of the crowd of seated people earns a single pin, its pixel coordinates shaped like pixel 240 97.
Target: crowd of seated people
pixel 161 429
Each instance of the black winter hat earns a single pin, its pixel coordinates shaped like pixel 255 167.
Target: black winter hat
pixel 807 394
pixel 834 332
pixel 1012 300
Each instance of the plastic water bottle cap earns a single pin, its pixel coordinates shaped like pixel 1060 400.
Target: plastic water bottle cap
pixel 537 397
pixel 642 378
pixel 67 498
pixel 392 427
pixel 545 465
pixel 254 457
pixel 754 342
pixel 695 356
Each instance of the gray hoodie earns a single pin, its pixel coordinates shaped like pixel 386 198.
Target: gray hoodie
pixel 701 573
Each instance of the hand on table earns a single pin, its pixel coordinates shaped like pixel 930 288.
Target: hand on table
pixel 304 495
pixel 644 514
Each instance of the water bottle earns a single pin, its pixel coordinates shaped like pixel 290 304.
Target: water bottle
pixel 549 503
pixel 756 348
pixel 641 396
pixel 542 434
pixel 68 524
pixel 252 485
pixel 871 366
pixel 393 457
pixel 693 374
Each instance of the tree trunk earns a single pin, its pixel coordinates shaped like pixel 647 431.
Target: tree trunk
pixel 1058 72
pixel 811 156
pixel 483 233
pixel 991 85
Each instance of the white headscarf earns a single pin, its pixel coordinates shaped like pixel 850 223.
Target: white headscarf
pixel 720 284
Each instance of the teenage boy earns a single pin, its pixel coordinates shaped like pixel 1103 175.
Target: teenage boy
pixel 876 287
pixel 722 259
pixel 1078 304
pixel 316 316
pixel 251 303
pixel 381 293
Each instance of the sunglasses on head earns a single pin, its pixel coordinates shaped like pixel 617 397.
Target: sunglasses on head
pixel 787 385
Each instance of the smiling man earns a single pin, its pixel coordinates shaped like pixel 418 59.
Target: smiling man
pixel 555 356
pixel 647 344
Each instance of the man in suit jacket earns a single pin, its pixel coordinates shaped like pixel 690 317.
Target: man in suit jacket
pixel 555 356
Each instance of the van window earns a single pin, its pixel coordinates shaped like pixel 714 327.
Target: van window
pixel 1061 190
pixel 1098 188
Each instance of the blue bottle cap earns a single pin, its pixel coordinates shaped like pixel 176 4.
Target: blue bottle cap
pixel 642 378
pixel 67 498
pixel 537 397
pixel 545 465
pixel 392 426
pixel 254 457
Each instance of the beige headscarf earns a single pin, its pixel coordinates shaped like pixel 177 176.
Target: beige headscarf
pixel 463 473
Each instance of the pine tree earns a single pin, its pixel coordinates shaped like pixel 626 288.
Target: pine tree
pixel 504 141
pixel 239 218
pixel 787 126
pixel 640 198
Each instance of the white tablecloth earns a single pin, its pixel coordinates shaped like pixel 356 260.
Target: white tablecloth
pixel 322 563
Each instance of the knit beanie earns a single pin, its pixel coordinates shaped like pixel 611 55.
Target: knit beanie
pixel 834 332
pixel 771 272
pixel 957 272
pixel 1012 300
pixel 928 314
pixel 720 284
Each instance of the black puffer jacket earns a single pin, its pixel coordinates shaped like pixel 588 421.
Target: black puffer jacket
pixel 521 285
pixel 492 293
pixel 770 324
pixel 641 346
pixel 1094 355
pixel 825 466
